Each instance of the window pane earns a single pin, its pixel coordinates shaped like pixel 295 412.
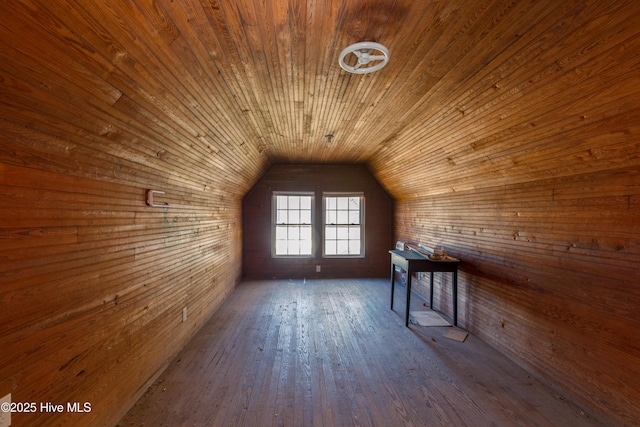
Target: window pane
pixel 343 217
pixel 354 247
pixel 281 217
pixel 354 203
pixel 294 202
pixel 294 217
pixel 281 247
pixel 331 217
pixel 343 203
pixel 281 232
pixel 354 217
pixel 305 217
pixel 294 233
pixel 354 232
pixel 343 247
pixel 281 202
pixel 330 232
pixel 343 233
pixel 293 247
pixel 305 202
pixel 331 202
pixel 305 232
pixel 330 247
pixel 305 247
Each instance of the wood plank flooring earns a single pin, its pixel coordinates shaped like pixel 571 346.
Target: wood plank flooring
pixel 331 353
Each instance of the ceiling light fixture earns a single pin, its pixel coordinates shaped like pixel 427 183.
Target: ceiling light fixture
pixel 329 138
pixel 370 56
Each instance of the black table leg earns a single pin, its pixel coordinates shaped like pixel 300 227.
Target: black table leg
pixel 431 291
pixel 406 320
pixel 455 298
pixel 393 284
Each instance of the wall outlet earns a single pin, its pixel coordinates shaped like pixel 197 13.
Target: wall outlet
pixel 184 314
pixel 318 268
pixel 5 416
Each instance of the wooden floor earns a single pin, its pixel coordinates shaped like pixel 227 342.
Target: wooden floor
pixel 331 353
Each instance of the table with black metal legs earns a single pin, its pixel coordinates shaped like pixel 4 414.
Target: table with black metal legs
pixel 413 262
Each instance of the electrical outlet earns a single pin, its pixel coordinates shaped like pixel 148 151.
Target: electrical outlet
pixel 318 268
pixel 184 314
pixel 5 411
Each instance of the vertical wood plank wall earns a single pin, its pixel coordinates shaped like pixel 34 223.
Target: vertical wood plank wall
pixel 257 260
pixel 549 276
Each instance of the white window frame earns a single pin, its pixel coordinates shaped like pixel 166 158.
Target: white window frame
pixel 275 224
pixel 349 224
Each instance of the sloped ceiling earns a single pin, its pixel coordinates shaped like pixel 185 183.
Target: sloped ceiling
pixel 476 92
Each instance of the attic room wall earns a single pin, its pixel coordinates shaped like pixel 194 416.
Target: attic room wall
pixel 549 276
pixel 93 282
pixel 542 205
pixel 258 262
pixel 529 174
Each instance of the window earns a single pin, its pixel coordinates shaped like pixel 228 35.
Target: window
pixel 343 225
pixel 293 224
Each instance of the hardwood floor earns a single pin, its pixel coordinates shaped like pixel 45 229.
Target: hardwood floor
pixel 331 353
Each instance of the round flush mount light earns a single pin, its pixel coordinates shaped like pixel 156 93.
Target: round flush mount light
pixel 369 57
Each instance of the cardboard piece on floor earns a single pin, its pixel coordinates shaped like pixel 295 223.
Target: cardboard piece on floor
pixel 456 335
pixel 428 318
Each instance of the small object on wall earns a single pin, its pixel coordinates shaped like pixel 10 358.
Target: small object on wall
pixel 153 204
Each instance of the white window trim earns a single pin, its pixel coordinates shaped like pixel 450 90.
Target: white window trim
pixel 362 222
pixel 274 195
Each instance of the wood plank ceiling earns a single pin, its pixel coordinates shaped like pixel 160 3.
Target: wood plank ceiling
pixel 478 89
pixel 507 129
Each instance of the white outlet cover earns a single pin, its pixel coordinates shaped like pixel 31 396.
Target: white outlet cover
pixel 5 417
pixel 184 316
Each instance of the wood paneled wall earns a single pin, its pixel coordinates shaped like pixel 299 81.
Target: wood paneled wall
pixel 529 173
pixel 257 260
pixel 507 131
pixel 549 276
pixel 93 282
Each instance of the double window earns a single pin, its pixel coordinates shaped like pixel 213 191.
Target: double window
pixel 341 233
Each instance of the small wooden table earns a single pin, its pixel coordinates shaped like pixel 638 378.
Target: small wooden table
pixel 413 262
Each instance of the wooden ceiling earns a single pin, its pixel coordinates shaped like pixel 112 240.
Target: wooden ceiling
pixel 476 93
